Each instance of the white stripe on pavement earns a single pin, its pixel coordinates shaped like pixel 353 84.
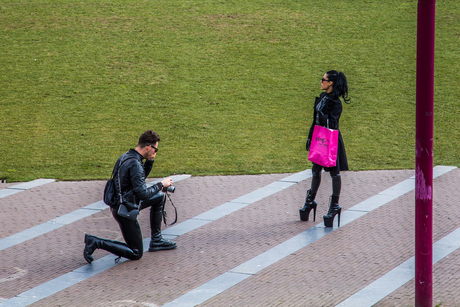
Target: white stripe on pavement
pixel 23 186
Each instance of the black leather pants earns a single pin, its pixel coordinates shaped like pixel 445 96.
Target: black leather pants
pixel 131 230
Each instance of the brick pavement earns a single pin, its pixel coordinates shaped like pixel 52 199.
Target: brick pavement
pixel 323 273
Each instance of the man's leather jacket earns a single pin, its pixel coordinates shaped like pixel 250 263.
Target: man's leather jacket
pixel 132 177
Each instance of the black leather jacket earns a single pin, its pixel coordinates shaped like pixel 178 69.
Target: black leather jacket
pixel 132 175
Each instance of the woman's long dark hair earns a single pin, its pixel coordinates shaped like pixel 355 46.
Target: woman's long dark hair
pixel 340 85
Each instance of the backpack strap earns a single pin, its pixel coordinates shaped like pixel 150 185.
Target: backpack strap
pixel 122 160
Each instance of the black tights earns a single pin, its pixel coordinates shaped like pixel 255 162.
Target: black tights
pixel 316 179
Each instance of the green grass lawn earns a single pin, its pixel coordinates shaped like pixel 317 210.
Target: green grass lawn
pixel 228 85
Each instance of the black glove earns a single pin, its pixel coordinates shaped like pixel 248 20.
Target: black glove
pixel 308 144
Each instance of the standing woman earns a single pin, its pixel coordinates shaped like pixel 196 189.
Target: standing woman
pixel 327 111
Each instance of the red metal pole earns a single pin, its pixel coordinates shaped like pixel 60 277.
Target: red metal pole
pixel 424 154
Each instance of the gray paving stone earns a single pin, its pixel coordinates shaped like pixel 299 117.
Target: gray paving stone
pixel 184 227
pixel 31 184
pixel 208 290
pixel 8 192
pixel 378 290
pixel 263 192
pixel 27 235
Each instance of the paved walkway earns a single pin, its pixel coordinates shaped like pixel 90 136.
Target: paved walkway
pixel 240 243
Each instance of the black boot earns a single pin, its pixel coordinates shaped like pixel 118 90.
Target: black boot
pixel 310 203
pixel 334 209
pixel 90 247
pixel 118 248
pixel 157 242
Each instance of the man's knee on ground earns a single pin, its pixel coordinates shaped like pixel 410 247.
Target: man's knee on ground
pixel 136 254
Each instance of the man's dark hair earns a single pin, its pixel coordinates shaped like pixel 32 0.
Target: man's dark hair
pixel 148 138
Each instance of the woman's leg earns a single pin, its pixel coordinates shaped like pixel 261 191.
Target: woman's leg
pixel 334 207
pixel 336 183
pixel 316 177
pixel 310 202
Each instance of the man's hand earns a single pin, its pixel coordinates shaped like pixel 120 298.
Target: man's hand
pixel 167 182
